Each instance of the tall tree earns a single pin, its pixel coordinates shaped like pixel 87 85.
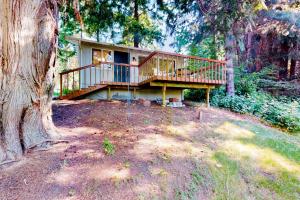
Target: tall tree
pixel 136 19
pixel 28 40
pixel 97 16
pixel 130 21
pixel 225 18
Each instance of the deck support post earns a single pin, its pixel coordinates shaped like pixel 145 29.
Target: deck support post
pixel 164 88
pixel 207 97
pixel 109 94
pixel 60 85
pixel 134 93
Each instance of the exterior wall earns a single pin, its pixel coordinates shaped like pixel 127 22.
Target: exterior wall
pixel 105 74
pixel 149 94
pixel 107 71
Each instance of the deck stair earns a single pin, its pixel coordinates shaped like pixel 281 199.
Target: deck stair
pixel 83 91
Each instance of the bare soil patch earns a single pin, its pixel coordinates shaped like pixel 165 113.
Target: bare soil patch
pixel 161 153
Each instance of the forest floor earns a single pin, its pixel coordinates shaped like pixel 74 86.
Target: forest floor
pixel 161 153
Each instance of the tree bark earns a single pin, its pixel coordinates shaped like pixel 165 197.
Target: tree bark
pixel 230 57
pixel 136 36
pixel 28 41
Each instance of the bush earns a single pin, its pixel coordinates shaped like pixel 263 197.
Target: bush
pixel 194 94
pixel 282 113
pixel 108 147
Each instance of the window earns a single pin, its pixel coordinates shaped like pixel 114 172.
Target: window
pixel 96 56
pixel 107 57
pixel 101 56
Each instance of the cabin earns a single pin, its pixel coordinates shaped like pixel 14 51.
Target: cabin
pixel 109 71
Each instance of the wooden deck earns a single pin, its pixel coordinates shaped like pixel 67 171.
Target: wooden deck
pixel 159 69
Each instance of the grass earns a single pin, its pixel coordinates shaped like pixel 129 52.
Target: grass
pixel 193 186
pixel 285 145
pixel 225 175
pixel 285 185
pixel 257 161
pixel 246 161
pixel 225 156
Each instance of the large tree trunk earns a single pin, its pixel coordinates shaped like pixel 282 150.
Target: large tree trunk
pixel 230 57
pixel 28 40
pixel 136 36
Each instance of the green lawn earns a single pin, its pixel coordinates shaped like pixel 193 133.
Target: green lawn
pixel 252 160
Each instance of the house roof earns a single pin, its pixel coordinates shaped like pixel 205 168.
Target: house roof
pixel 79 41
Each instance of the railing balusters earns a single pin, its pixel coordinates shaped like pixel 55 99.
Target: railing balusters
pixel 67 82
pixel 96 68
pixel 117 69
pixel 176 68
pixel 107 69
pixel 218 72
pixel 73 82
pixel 90 76
pixel 185 73
pixel 158 66
pixel 183 68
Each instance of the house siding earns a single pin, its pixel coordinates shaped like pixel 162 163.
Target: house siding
pixel 107 72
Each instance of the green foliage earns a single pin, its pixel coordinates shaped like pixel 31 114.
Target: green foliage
pixel 211 47
pixel 246 83
pixel 108 147
pixel 277 112
pixel 209 18
pixel 194 94
pixel 97 16
pixel 68 27
pixel 121 20
pixel 146 29
pixel 283 112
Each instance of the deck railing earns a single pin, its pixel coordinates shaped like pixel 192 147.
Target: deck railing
pixel 157 66
pixel 177 67
pixel 102 73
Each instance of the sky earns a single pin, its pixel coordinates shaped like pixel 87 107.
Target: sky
pixel 169 39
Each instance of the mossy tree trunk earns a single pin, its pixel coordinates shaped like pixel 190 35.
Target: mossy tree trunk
pixel 28 41
pixel 230 57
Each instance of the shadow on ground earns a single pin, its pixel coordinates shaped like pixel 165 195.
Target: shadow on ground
pixel 161 153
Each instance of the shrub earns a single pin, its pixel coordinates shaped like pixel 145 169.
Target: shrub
pixel 281 113
pixel 194 94
pixel 108 147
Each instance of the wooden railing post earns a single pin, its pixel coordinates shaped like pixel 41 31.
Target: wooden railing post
pixel 164 88
pixel 109 94
pixel 60 92
pixel 207 97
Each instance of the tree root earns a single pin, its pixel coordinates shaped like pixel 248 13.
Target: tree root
pixel 47 141
pixel 8 162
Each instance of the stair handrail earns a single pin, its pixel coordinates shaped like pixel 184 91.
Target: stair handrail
pixel 191 57
pixel 94 65
pixel 89 66
pixel 148 58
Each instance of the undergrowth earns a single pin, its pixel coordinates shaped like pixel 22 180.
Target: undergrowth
pixel 108 147
pixel 283 114
pixel 280 111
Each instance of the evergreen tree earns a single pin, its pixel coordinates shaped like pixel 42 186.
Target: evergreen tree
pixel 136 17
pixel 201 19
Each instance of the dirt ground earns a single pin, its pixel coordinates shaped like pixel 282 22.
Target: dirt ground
pixel 161 153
